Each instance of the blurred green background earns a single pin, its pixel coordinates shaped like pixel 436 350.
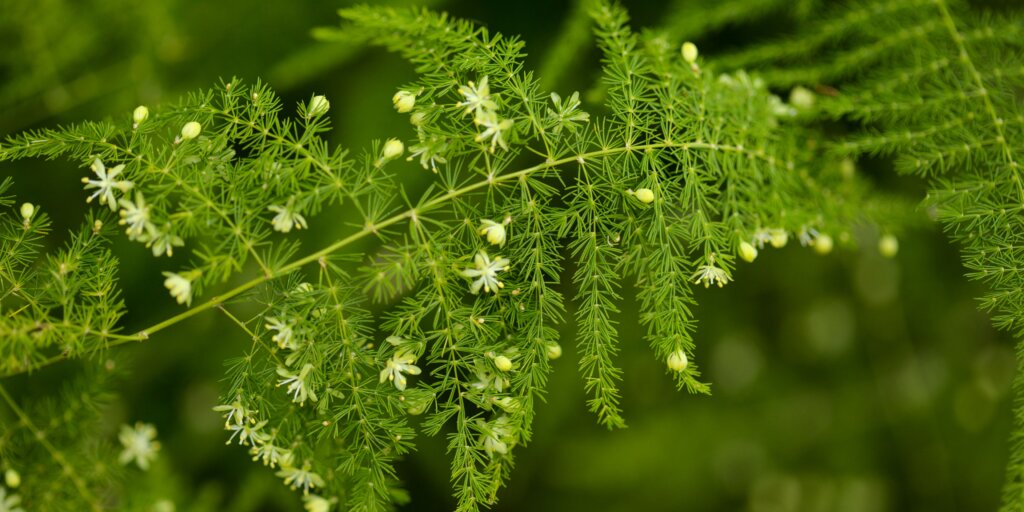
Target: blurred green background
pixel 844 383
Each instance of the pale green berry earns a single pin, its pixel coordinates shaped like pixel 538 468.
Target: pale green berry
pixel 12 478
pixel 801 98
pixel 503 363
pixel 779 238
pixel 27 211
pixel 888 245
pixel 318 106
pixel 645 195
pixel 140 114
pixel 823 244
pixel 404 101
pixel 748 252
pixel 677 361
pixel 191 130
pixel 689 51
pixel 393 148
pixel 554 351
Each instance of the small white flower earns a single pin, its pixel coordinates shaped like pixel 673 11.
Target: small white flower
pixel 486 379
pixel 140 444
pixel 297 385
pixel 106 183
pixel 393 148
pixel 10 503
pixel 318 106
pixel 494 231
pixel 403 101
pixel 236 413
pixel 248 433
pixel 677 361
pixel 478 98
pixel 486 273
pixel 164 242
pixel 287 217
pixel 496 436
pixel 429 152
pixel 304 478
pixel 271 454
pixel 400 363
pixel 285 337
pixel 709 275
pixel 180 287
pixel 494 130
pixel 807 236
pixel 191 130
pixel 135 215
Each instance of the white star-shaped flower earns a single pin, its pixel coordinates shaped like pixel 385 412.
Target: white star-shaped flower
pixel 106 183
pixel 297 385
pixel 485 272
pixel 478 97
pixel 140 444
pixel 398 364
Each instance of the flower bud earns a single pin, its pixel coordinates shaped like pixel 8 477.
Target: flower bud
pixel 404 101
pixel 27 211
pixel 503 363
pixel 888 245
pixel 689 51
pixel 748 252
pixel 12 478
pixel 318 106
pixel 677 361
pixel 823 244
pixel 554 351
pixel 645 195
pixel 140 114
pixel 801 98
pixel 417 118
pixel 494 231
pixel 779 237
pixel 393 148
pixel 191 130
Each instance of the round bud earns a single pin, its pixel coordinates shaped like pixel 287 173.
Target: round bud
pixel 748 252
pixel 823 244
pixel 191 130
pixel 677 361
pixel 417 118
pixel 689 51
pixel 140 114
pixel 318 106
pixel 12 478
pixel 554 350
pixel 393 148
pixel 503 363
pixel 404 101
pixel 778 238
pixel 801 97
pixel 645 195
pixel 888 245
pixel 27 211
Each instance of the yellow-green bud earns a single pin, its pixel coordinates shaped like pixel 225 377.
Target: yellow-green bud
pixel 748 252
pixel 801 97
pixel 191 130
pixel 503 363
pixel 27 211
pixel 140 114
pixel 779 238
pixel 645 195
pixel 677 361
pixel 417 118
pixel 554 351
pixel 393 148
pixel 689 51
pixel 404 101
pixel 318 106
pixel 12 478
pixel 494 231
pixel 888 245
pixel 823 244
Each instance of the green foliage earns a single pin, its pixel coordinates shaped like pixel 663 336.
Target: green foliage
pixel 448 324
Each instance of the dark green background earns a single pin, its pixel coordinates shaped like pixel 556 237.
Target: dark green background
pixel 843 383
